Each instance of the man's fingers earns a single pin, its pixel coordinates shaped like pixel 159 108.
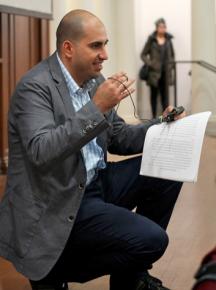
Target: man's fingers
pixel 182 115
pixel 125 85
pixel 120 75
pixel 129 83
pixel 121 83
pixel 168 110
pixel 123 78
pixel 127 93
pixel 119 78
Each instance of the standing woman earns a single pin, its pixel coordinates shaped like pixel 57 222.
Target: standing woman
pixel 157 53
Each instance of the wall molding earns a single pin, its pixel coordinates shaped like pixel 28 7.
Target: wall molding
pixel 26 12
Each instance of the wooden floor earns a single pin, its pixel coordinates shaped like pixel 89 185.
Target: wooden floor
pixel 192 233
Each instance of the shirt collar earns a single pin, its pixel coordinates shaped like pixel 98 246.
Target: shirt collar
pixel 88 86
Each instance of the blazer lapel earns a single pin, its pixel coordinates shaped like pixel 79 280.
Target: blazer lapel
pixel 61 85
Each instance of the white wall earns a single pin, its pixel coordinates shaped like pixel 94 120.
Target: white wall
pixel 204 48
pixel 178 16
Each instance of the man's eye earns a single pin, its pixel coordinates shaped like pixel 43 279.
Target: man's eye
pixel 96 45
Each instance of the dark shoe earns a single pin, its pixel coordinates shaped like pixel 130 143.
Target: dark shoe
pixel 37 286
pixel 148 282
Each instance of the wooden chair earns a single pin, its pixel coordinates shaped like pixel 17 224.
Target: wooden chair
pixel 10 279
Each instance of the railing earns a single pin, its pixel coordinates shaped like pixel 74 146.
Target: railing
pixel 202 63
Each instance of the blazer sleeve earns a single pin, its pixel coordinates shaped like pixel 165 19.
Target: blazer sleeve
pixel 127 139
pixel 44 142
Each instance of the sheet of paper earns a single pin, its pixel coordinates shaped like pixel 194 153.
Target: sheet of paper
pixel 172 150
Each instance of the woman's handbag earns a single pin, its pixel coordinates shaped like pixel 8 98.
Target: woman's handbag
pixel 143 73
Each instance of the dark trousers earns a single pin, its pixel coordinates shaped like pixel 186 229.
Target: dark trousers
pixel 161 89
pixel 109 238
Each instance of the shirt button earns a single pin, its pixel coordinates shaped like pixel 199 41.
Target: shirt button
pixel 81 186
pixel 70 219
pixel 95 123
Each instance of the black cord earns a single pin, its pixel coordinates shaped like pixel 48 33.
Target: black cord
pixel 132 101
pixel 116 109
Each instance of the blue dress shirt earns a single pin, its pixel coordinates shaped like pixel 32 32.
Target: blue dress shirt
pixel 92 152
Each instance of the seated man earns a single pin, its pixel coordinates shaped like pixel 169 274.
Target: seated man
pixel 66 213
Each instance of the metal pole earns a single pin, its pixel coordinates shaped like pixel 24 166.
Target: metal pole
pixel 175 85
pixel 167 82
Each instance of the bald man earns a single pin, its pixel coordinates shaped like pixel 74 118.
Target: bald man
pixel 67 212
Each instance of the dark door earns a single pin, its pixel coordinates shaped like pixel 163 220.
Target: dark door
pixel 24 41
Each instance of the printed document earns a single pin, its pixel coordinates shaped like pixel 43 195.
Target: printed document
pixel 172 150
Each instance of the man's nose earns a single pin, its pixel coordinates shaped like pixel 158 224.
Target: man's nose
pixel 103 54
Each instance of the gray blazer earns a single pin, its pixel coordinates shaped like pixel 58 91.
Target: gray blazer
pixel 46 174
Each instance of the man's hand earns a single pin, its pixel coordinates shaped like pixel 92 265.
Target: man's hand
pixel 112 91
pixel 169 110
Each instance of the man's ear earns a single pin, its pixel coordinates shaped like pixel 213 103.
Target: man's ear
pixel 68 48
